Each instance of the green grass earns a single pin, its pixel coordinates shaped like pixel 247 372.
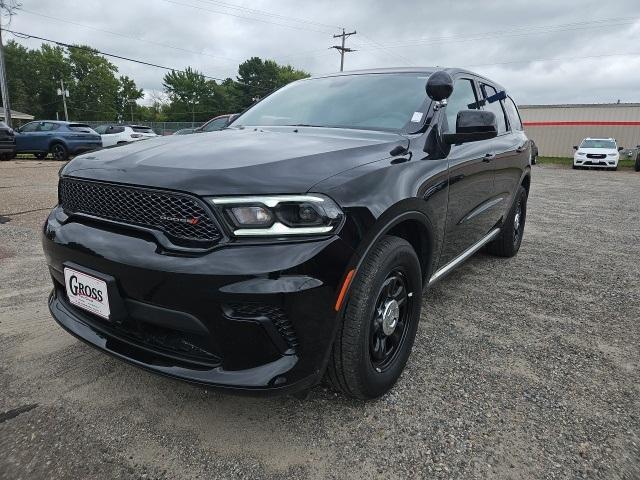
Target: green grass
pixel 567 162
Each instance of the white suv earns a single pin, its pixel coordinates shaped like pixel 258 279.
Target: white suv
pixel 597 152
pixel 120 134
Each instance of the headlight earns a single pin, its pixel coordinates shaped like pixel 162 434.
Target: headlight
pixel 612 154
pixel 278 215
pixel 580 153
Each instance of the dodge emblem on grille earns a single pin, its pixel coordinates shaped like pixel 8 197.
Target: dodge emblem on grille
pixel 190 221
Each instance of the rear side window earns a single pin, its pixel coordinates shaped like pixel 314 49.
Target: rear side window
pixel 512 112
pixel 463 98
pixel 80 127
pixel 101 129
pixel 114 129
pixel 48 127
pixel 143 129
pixel 495 107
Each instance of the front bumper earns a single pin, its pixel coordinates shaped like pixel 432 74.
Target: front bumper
pixel 254 318
pixel 608 162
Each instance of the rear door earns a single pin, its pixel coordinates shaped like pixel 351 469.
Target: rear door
pixel 471 184
pixel 511 147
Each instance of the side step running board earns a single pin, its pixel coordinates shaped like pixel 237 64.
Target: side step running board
pixel 464 255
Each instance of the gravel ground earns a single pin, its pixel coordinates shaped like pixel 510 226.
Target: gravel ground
pixel 523 368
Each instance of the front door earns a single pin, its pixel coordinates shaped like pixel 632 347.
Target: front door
pixel 471 179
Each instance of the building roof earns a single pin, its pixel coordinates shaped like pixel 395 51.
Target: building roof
pixel 17 115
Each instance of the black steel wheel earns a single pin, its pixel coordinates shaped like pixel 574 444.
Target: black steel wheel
pixel 390 320
pixel 379 321
pixel 59 151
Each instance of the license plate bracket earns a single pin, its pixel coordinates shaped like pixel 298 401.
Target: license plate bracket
pixel 117 310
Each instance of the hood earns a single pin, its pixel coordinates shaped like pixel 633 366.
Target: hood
pixel 238 161
pixel 602 151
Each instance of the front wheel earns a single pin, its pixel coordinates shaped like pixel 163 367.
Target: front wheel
pixel 380 321
pixel 59 152
pixel 508 241
pixel 637 165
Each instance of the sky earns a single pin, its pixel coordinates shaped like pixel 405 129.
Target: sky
pixel 543 51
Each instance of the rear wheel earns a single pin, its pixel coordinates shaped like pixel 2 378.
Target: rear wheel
pixel 59 151
pixel 637 165
pixel 380 321
pixel 508 241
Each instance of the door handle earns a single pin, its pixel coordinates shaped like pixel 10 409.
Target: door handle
pixel 488 157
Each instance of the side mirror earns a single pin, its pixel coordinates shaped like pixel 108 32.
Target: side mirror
pixel 620 149
pixel 439 86
pixel 575 147
pixel 471 126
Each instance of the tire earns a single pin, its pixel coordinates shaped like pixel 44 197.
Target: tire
pixel 59 152
pixel 374 341
pixel 637 165
pixel 6 156
pixel 508 241
pixel 40 156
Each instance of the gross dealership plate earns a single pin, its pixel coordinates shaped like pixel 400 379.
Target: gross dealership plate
pixel 87 292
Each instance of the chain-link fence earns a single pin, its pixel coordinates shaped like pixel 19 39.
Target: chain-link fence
pixel 161 128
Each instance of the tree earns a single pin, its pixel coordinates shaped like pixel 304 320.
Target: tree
pixel 257 78
pixel 126 97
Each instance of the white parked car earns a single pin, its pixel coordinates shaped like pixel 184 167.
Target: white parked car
pixel 120 134
pixel 597 152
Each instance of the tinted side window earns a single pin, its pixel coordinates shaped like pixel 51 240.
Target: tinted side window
pixel 512 112
pixel 463 98
pixel 101 129
pixel 48 126
pixel 217 124
pixel 115 130
pixel 495 107
pixel 29 127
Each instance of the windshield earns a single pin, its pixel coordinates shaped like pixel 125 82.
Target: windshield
pixel 598 144
pixel 371 101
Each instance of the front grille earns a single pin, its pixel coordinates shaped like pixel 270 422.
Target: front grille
pixel 275 314
pixel 597 155
pixel 181 217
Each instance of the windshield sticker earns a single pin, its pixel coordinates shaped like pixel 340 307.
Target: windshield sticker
pixel 417 117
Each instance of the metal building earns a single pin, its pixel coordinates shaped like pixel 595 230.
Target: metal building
pixel 557 128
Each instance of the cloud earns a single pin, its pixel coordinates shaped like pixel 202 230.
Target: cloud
pixel 542 52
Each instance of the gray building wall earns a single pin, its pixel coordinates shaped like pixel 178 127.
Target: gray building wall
pixel 557 128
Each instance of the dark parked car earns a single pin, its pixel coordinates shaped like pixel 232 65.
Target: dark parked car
pixel 61 139
pixel 7 142
pixel 298 242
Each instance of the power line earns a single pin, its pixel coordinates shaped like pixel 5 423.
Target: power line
pixel 197 7
pixel 557 59
pixel 516 32
pixel 120 57
pixel 384 49
pixel 151 42
pixel 269 14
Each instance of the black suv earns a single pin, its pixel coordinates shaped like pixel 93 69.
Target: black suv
pixel 297 243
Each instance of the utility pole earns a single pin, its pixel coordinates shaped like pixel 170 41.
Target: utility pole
pixel 131 102
pixel 4 88
pixel 65 94
pixel 342 49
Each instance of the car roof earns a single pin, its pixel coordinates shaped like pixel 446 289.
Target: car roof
pixel 601 138
pixel 424 70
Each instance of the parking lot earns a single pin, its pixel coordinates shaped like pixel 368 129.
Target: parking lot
pixel 522 368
